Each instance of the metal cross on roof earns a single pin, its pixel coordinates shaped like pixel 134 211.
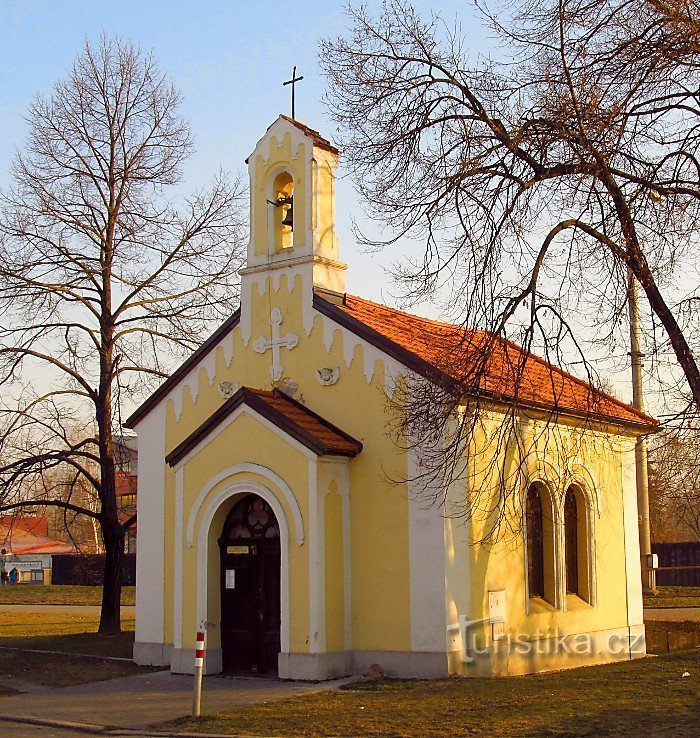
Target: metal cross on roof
pixel 293 82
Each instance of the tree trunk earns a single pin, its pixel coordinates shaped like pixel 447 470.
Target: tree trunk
pixel 110 616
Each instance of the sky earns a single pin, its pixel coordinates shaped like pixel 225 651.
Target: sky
pixel 229 60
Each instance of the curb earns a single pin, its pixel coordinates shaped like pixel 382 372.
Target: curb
pixel 94 729
pixel 68 724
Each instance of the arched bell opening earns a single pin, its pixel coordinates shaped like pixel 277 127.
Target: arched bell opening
pixel 250 587
pixel 283 215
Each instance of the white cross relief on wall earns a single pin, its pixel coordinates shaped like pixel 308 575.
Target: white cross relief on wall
pixel 262 344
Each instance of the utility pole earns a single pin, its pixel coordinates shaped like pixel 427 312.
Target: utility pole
pixel 640 451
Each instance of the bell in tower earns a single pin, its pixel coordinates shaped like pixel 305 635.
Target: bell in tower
pixel 289 217
pixel 292 189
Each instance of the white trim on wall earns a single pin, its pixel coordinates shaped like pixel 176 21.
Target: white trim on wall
pixel 249 468
pixel 630 521
pixel 232 492
pixel 177 566
pixel 426 541
pixel 150 563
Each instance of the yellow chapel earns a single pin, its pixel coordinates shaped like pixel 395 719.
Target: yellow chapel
pixel 269 507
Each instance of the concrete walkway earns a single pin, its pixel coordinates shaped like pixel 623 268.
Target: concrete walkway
pixel 128 611
pixel 138 701
pixel 674 614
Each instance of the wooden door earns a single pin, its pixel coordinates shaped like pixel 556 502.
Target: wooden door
pixel 250 588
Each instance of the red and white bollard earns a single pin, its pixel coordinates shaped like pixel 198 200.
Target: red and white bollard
pixel 198 669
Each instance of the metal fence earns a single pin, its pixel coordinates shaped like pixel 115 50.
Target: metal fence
pixel 679 564
pixel 88 570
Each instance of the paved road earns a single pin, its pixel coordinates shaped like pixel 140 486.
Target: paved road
pixel 137 701
pixel 128 611
pixel 672 613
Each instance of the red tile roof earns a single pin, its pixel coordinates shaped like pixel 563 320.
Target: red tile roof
pixel 326 435
pixel 22 541
pixel 291 416
pixel 125 483
pixel 508 371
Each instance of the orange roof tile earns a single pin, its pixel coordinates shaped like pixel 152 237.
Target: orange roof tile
pixel 505 371
pixel 292 417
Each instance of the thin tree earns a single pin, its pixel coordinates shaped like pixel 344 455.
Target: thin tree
pixel 104 279
pixel 674 486
pixel 534 181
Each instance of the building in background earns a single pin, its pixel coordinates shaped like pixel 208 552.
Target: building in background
pixel 126 484
pixel 26 545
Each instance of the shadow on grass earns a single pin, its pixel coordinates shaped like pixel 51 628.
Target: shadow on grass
pixel 51 670
pixel 120 645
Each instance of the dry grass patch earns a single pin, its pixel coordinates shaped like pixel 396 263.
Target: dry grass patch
pixel 58 594
pixel 67 634
pixel 64 632
pixel 674 597
pixel 647 697
pixel 58 670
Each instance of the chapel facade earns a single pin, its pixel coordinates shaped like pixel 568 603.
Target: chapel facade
pixel 269 507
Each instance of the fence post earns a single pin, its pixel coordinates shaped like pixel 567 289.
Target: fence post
pixel 198 668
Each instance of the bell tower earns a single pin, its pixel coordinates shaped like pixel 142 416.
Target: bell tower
pixel 292 209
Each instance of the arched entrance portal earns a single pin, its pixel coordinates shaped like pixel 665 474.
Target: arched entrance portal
pixel 250 587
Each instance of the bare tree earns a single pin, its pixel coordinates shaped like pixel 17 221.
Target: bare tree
pixel 103 279
pixel 535 181
pixel 588 137
pixel 674 486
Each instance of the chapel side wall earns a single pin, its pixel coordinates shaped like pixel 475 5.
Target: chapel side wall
pixel 596 462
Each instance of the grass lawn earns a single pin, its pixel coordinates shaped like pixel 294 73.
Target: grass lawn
pixel 59 594
pixel 51 670
pixel 58 632
pixel 642 698
pixel 674 597
pixel 66 633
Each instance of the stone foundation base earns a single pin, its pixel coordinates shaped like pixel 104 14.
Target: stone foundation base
pixel 315 666
pixel 182 661
pixel 152 654
pixel 507 657
pixel 513 658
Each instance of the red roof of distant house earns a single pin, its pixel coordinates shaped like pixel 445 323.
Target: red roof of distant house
pixel 450 350
pixel 125 483
pixel 18 540
pixel 37 524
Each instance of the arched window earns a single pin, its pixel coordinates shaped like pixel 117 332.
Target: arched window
pixel 576 544
pixel 535 543
pixel 283 215
pixel 539 525
pixel 571 541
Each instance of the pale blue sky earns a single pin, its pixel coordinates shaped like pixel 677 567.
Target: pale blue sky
pixel 228 59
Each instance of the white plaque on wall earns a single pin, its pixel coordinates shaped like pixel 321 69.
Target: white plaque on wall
pixel 230 579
